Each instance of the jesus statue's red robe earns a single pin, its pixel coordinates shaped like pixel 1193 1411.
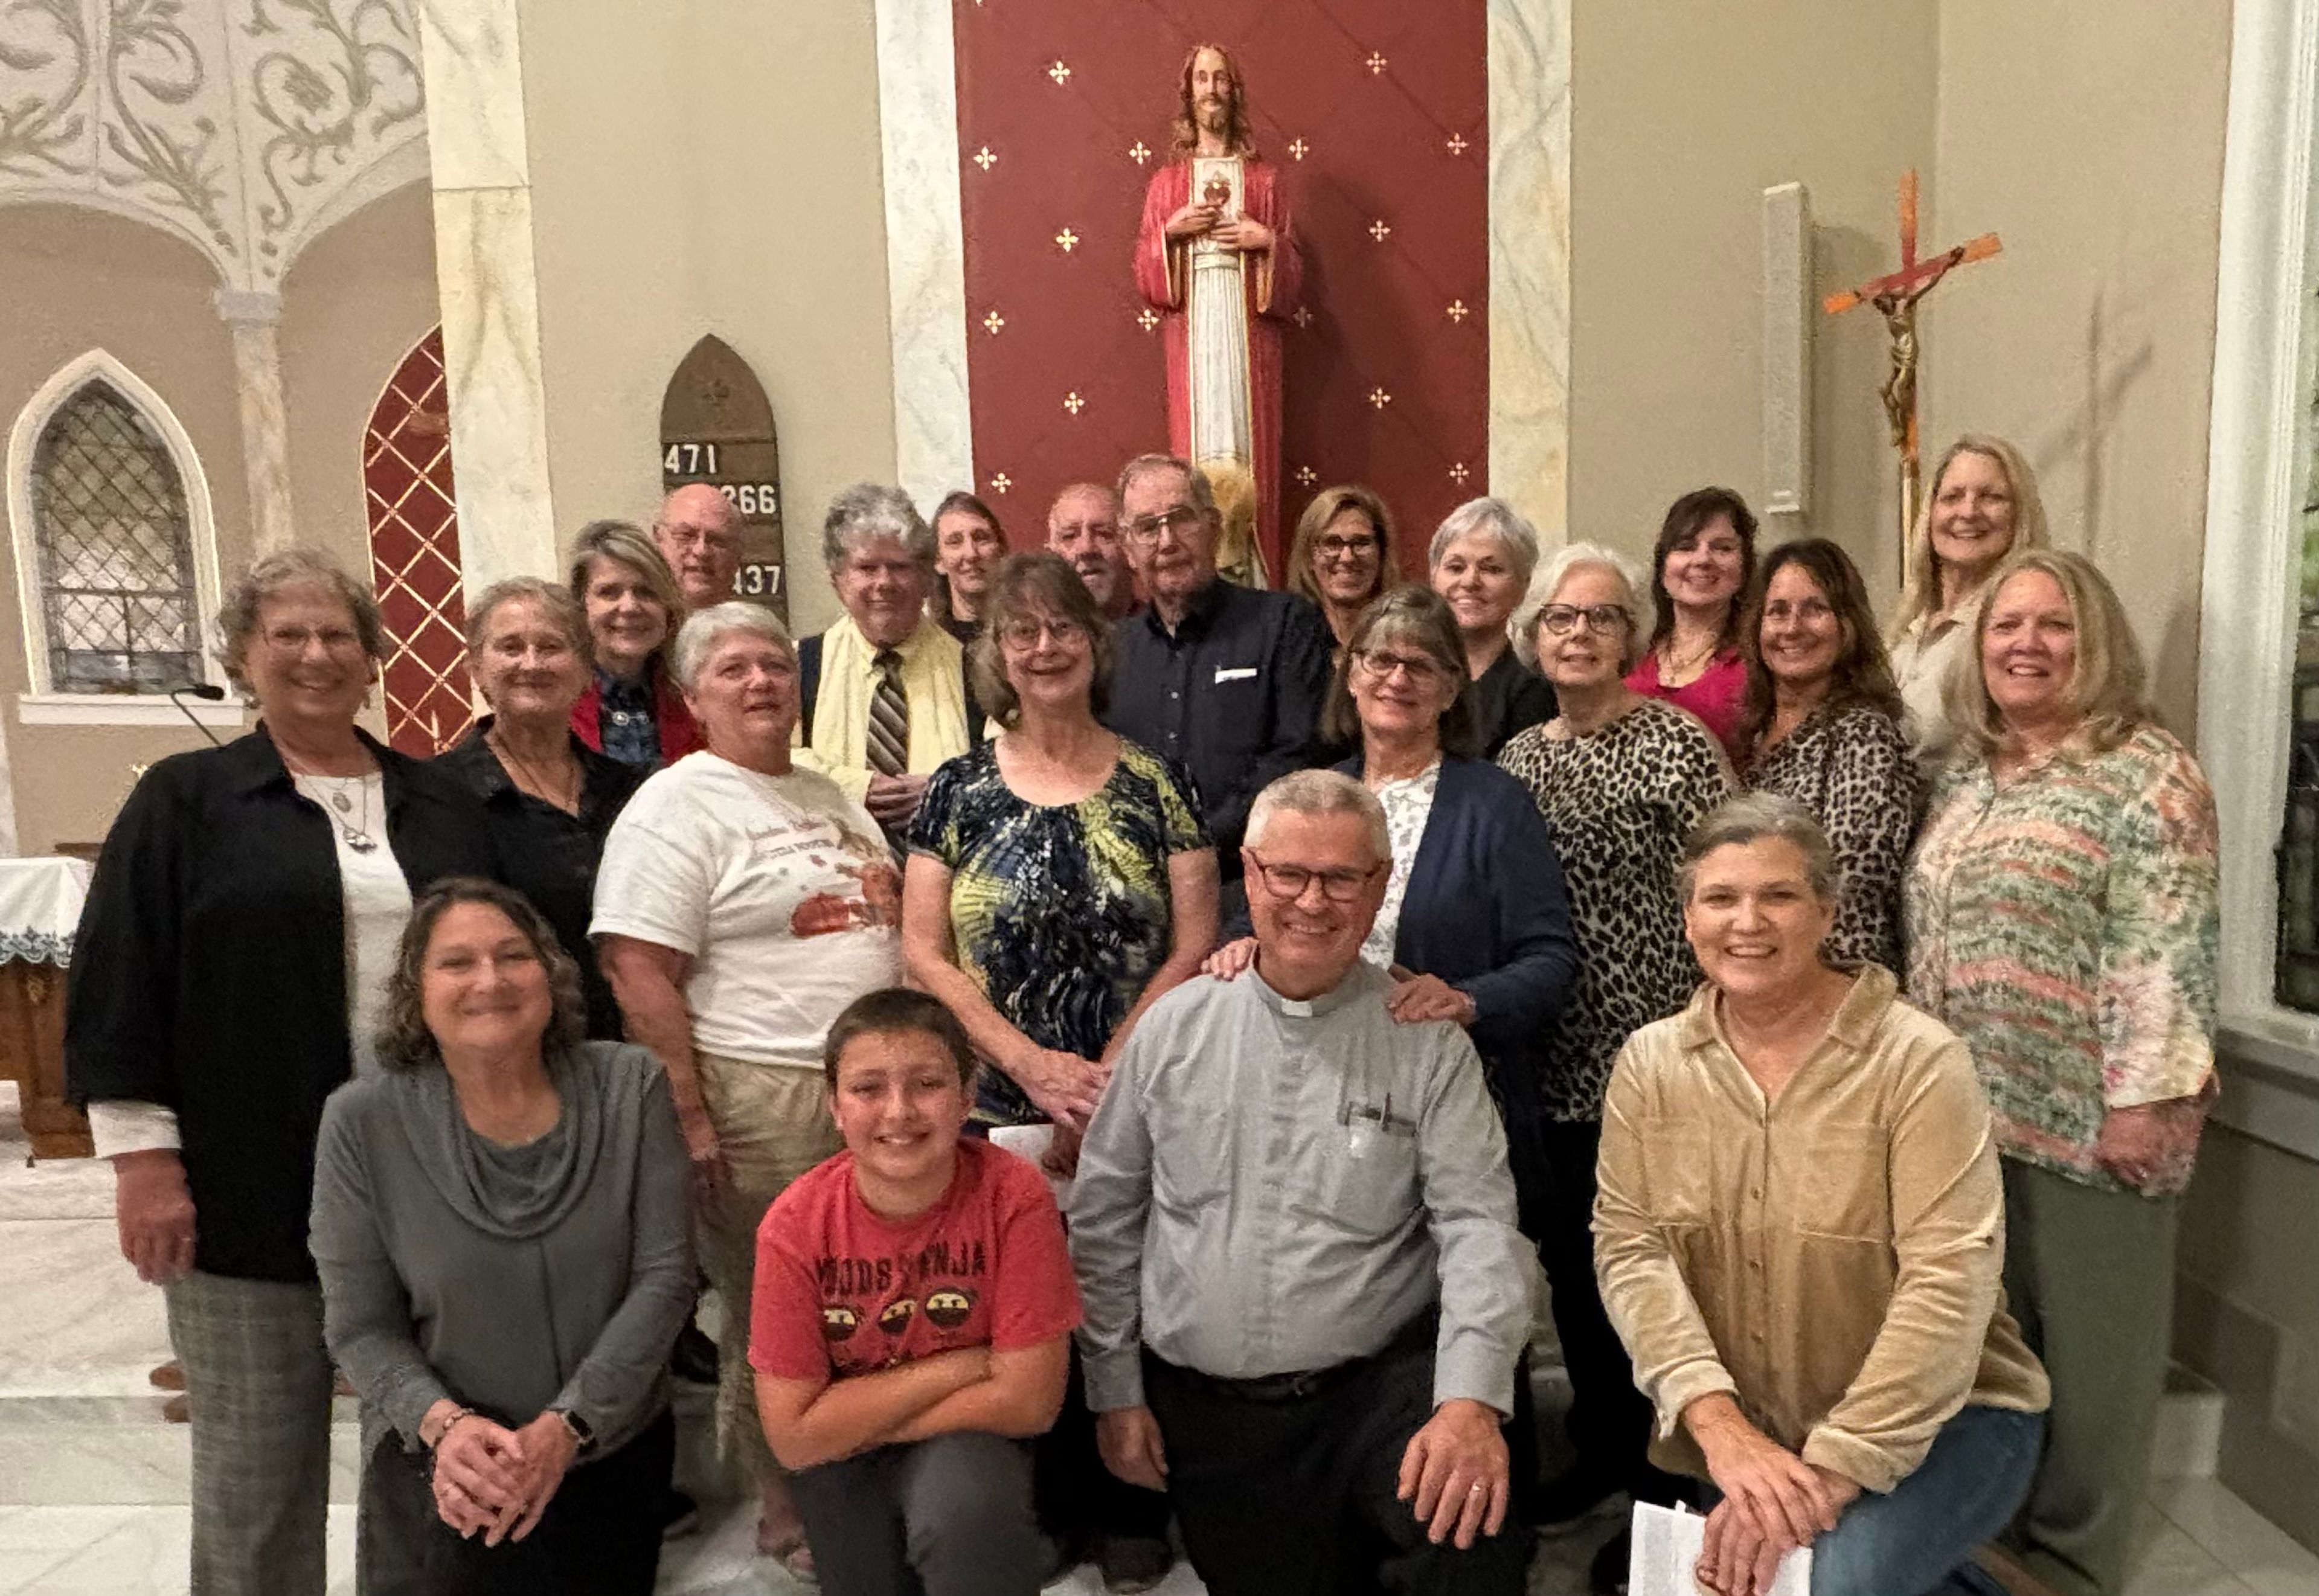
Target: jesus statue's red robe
pixel 1271 280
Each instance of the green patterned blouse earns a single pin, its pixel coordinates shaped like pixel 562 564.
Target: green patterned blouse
pixel 2063 923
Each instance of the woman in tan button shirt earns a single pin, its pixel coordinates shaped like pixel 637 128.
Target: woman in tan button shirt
pixel 1806 1269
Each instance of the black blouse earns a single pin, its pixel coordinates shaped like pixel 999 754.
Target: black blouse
pixel 209 975
pixel 551 857
pixel 1511 698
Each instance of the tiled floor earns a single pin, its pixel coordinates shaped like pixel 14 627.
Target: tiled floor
pixel 91 1482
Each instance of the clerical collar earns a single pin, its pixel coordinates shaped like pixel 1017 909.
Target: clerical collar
pixel 1345 991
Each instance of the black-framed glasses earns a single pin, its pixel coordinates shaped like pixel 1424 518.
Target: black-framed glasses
pixel 1290 881
pixel 1178 521
pixel 1562 619
pixel 1345 548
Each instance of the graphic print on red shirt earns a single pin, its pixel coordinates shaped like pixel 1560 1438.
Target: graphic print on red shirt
pixel 842 1291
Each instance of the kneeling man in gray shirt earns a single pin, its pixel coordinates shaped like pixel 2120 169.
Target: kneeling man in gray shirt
pixel 1293 1230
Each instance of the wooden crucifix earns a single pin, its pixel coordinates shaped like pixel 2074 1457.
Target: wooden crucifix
pixel 1896 296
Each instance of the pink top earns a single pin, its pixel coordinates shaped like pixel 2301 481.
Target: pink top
pixel 1713 695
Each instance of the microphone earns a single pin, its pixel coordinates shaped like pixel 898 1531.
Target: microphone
pixel 209 692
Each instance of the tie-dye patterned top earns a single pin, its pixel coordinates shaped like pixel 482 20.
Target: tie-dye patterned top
pixel 2064 924
pixel 1061 912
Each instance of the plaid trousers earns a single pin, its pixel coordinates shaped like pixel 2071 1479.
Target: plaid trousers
pixel 258 1385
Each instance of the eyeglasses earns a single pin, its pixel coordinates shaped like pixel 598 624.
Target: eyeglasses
pixel 1344 548
pixel 295 640
pixel 1178 521
pixel 1802 609
pixel 1020 637
pixel 1380 665
pixel 1288 881
pixel 1562 619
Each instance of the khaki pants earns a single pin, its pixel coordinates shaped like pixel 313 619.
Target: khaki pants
pixel 773 1123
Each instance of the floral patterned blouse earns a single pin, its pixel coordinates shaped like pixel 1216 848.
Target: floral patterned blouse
pixel 1619 801
pixel 1408 805
pixel 1851 767
pixel 2063 923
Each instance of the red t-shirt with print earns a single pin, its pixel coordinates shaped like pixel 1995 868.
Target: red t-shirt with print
pixel 842 1292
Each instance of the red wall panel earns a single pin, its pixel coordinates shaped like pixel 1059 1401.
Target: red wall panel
pixel 1375 111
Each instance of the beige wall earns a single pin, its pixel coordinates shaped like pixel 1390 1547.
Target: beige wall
pixel 1681 117
pixel 2091 139
pixel 74 280
pixel 717 172
pixel 353 306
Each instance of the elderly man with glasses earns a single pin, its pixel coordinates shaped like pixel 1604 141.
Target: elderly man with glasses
pixel 1293 1230
pixel 1228 679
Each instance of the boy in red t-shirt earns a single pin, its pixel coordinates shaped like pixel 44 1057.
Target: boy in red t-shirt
pixel 911 1322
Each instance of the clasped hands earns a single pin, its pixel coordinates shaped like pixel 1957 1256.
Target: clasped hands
pixel 1193 220
pixel 1415 999
pixel 1773 1502
pixel 1455 1473
pixel 494 1481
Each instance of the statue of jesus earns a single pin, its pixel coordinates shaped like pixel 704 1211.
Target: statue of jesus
pixel 1217 253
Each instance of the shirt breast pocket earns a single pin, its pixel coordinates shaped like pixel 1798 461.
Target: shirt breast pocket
pixel 1242 720
pixel 1368 1178
pixel 1678 1174
pixel 1191 1156
pixel 1845 1186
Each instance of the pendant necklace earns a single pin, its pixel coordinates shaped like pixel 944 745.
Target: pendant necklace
pixel 356 835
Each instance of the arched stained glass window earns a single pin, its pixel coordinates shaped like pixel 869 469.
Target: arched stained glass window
pixel 115 541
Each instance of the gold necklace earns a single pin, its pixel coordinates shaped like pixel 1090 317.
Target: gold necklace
pixel 526 776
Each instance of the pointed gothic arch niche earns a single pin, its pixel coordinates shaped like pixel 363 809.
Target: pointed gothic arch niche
pixel 115 545
pixel 414 554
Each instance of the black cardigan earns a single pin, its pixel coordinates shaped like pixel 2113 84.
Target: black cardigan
pixel 209 975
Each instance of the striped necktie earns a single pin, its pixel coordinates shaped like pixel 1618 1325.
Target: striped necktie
pixel 889 717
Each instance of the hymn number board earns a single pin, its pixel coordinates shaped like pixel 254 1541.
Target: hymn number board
pixel 717 427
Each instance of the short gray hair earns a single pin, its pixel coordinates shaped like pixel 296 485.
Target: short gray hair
pixel 1202 491
pixel 1756 818
pixel 868 510
pixel 1321 792
pixel 705 628
pixel 562 609
pixel 1491 517
pixel 1556 572
pixel 300 566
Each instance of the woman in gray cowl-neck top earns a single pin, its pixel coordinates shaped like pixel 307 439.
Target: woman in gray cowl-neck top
pixel 500 1223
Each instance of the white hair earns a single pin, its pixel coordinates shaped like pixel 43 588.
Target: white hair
pixel 1556 571
pixel 705 628
pixel 1321 792
pixel 1490 517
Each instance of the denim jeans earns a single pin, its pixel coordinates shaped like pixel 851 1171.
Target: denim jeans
pixel 1917 1539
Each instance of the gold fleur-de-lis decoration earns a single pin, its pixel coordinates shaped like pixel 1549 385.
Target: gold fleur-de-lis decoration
pixel 1303 316
pixel 1458 473
pixel 1456 145
pixel 1306 475
pixel 984 158
pixel 1380 230
pixel 1059 72
pixel 1000 481
pixel 1147 319
pixel 1457 311
pixel 1139 152
pixel 1069 239
pixel 1073 403
pixel 994 323
pixel 1379 399
pixel 1376 63
pixel 1298 149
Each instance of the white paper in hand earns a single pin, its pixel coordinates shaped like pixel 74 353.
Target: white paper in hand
pixel 1666 1548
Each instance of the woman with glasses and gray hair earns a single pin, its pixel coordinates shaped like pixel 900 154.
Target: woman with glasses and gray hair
pixel 1620 778
pixel 230 963
pixel 1800 1235
pixel 499 1221
pixel 1480 561
pixel 743 901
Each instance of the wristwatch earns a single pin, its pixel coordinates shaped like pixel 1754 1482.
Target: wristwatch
pixel 582 1433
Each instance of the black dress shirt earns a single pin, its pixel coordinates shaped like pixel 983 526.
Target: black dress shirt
pixel 209 975
pixel 551 857
pixel 1511 698
pixel 1235 693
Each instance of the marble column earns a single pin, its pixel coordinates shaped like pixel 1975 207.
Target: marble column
pixel 252 315
pixel 1529 260
pixel 484 276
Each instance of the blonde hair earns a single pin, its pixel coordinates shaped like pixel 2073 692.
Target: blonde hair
pixel 1327 505
pixel 2106 694
pixel 626 543
pixel 1920 577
